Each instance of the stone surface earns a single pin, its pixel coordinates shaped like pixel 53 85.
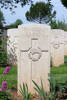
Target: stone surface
pixel 57 47
pixel 34 55
pixel 12 45
pixel 65 43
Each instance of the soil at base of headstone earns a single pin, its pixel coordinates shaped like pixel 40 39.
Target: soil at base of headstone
pixel 15 96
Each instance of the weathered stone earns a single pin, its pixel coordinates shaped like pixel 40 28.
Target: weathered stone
pixel 34 55
pixel 12 46
pixel 57 47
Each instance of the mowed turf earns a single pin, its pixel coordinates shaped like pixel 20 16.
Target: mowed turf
pixel 11 78
pixel 59 73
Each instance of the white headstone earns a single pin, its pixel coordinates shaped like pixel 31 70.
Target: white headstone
pixel 12 45
pixel 34 55
pixel 57 47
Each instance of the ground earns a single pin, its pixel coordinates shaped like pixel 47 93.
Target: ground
pixel 11 78
pixel 60 74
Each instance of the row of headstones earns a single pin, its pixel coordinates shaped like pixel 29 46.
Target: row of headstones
pixel 32 47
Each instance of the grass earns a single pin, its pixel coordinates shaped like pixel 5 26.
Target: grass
pixel 62 69
pixel 59 73
pixel 11 78
pixel 65 59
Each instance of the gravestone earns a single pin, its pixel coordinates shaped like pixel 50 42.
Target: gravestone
pixel 34 55
pixel 65 43
pixel 57 47
pixel 12 46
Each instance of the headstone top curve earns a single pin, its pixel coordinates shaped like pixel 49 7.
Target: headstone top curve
pixel 34 26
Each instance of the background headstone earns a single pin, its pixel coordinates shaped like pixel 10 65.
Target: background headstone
pixel 34 55
pixel 12 46
pixel 57 47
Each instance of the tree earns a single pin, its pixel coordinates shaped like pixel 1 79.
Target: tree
pixel 62 25
pixel 58 25
pixel 13 3
pixel 18 22
pixel 1 19
pixel 64 2
pixel 53 24
pixel 15 24
pixel 40 12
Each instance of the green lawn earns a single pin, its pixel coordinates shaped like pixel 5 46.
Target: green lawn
pixel 11 78
pixel 60 73
pixel 65 59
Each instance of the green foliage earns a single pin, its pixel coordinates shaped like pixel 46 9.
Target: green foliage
pixel 60 75
pixel 13 3
pixel 24 92
pixel 60 70
pixel 5 96
pixel 64 2
pixel 3 58
pixel 62 25
pixel 58 25
pixel 1 19
pixel 53 24
pixel 53 93
pixel 11 78
pixel 15 24
pixel 47 96
pixel 65 60
pixel 3 51
pixel 57 89
pixel 40 90
pixel 40 12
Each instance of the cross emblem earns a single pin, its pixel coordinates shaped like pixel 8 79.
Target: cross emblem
pixel 34 52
